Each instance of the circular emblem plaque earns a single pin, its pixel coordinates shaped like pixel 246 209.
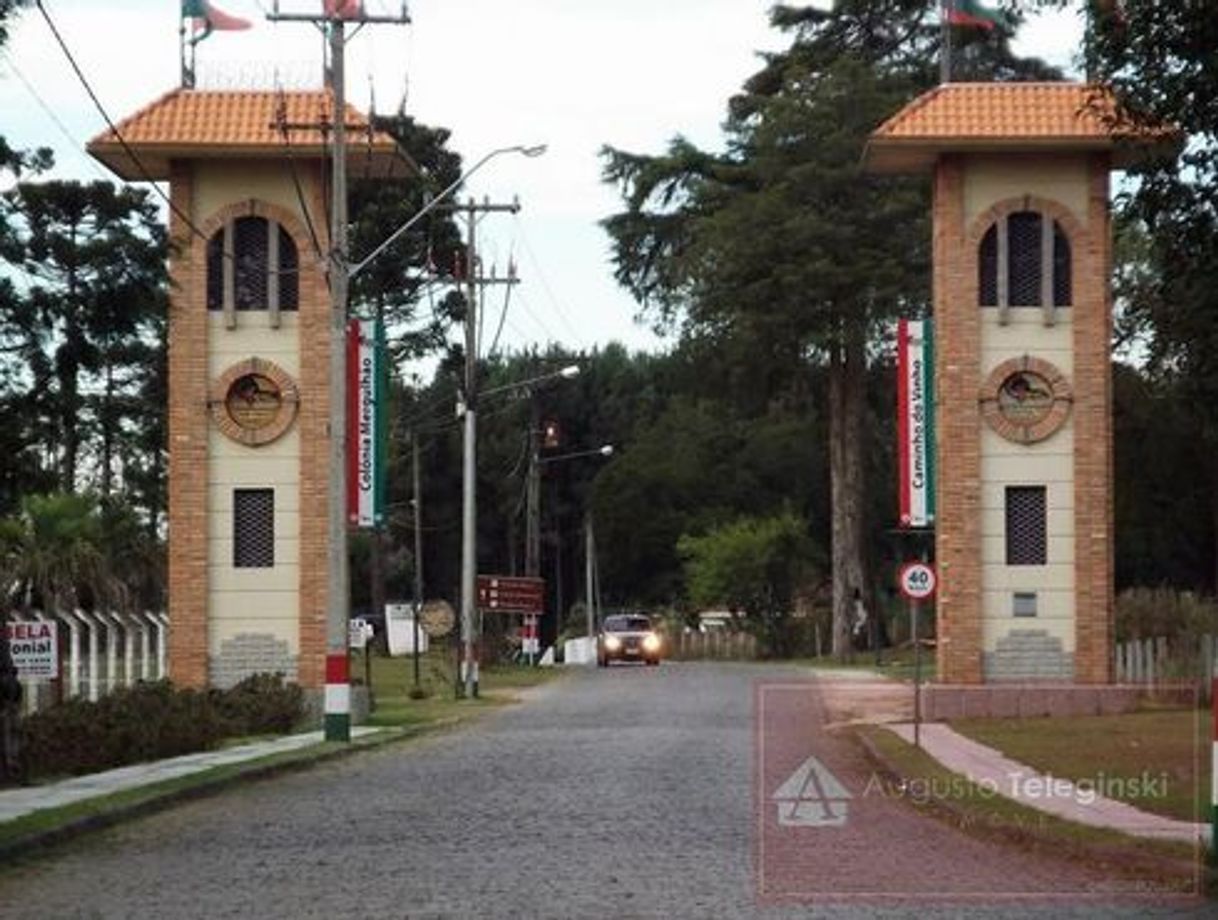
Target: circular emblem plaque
pixel 437 618
pixel 254 402
pixel 1026 399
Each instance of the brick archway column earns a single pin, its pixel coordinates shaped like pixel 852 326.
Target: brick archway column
pixel 188 420
pixel 958 427
pixel 1093 472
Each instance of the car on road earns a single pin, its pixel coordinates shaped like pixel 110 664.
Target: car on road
pixel 628 637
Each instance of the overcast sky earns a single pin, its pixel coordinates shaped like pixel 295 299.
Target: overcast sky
pixel 573 74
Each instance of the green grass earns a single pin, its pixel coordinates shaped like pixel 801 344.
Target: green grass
pixel 393 681
pixel 930 787
pixel 895 663
pixel 1171 747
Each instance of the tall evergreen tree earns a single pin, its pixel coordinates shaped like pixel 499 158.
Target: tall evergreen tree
pixel 1162 60
pixel 93 260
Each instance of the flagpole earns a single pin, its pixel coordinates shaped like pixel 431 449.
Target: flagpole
pixel 945 41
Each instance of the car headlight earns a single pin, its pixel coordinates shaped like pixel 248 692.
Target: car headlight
pixel 612 643
pixel 651 642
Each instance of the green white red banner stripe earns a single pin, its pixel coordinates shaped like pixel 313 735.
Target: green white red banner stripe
pixel 367 415
pixel 916 422
pixel 337 704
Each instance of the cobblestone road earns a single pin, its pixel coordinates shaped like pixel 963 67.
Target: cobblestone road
pixel 619 793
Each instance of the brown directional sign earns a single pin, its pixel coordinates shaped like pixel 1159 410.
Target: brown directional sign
pixel 511 594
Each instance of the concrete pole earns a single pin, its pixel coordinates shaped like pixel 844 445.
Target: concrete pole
pixel 532 530
pixel 338 688
pixel 469 518
pixel 589 591
pixel 416 477
pixel 945 41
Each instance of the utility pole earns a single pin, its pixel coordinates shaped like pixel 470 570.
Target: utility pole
pixel 338 685
pixel 532 511
pixel 589 564
pixel 416 476
pixel 945 40
pixel 471 627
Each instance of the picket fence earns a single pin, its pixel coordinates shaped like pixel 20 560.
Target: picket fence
pixel 713 644
pixel 1157 661
pixel 98 653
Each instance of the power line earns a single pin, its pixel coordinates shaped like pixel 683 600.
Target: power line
pixel 557 304
pixel 50 113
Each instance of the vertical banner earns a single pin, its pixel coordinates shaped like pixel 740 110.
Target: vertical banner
pixel 367 423
pixel 916 422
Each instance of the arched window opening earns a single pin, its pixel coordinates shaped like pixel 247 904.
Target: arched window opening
pixel 252 264
pixel 1024 261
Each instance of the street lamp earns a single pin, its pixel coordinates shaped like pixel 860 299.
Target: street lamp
pixel 605 450
pixel 534 150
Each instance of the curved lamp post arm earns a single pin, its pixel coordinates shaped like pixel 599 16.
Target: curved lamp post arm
pixel 536 150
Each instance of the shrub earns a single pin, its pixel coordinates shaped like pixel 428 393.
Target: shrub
pixel 261 704
pixel 1151 613
pixel 153 721
pixel 146 722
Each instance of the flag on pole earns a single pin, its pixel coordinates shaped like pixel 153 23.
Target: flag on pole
pixel 973 13
pixel 344 9
pixel 208 19
pixel 916 422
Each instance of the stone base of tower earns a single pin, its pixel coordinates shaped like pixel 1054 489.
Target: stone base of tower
pixel 944 702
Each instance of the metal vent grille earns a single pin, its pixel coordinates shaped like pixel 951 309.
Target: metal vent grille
pixel 253 528
pixel 1024 258
pixel 289 272
pixel 987 268
pixel 1063 293
pixel 1027 528
pixel 250 252
pixel 215 272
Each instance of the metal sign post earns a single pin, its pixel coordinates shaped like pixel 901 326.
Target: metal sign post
pixel 917 582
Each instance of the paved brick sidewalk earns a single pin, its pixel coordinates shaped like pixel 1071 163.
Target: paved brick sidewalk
pixel 1056 796
pixel 15 803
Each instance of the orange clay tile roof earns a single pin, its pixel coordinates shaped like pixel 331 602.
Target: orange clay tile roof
pixel 1008 117
pixel 205 124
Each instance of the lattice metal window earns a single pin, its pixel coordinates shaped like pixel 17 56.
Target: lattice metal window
pixel 1018 243
pixel 256 260
pixel 253 528
pixel 1027 525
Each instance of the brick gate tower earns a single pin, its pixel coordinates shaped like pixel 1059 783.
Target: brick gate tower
pixel 1023 389
pixel 249 345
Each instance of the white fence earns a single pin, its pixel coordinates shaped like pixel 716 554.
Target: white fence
pixel 1158 661
pixel 99 652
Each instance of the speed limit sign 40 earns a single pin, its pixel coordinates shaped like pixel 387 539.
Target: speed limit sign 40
pixel 917 580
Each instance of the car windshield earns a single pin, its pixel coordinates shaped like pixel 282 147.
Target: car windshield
pixel 627 624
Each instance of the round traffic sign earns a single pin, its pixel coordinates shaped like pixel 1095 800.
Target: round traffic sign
pixel 917 580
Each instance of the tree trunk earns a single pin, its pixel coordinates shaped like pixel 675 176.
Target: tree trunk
pixel 847 406
pixel 107 431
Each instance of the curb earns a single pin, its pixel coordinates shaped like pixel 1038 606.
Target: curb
pixel 13 850
pixel 1111 853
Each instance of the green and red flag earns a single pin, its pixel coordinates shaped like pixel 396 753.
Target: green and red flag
pixel 208 19
pixel 344 9
pixel 973 13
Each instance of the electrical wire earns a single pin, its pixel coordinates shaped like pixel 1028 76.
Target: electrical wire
pixel 50 113
pixel 558 307
pixel 281 118
pixel 139 165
